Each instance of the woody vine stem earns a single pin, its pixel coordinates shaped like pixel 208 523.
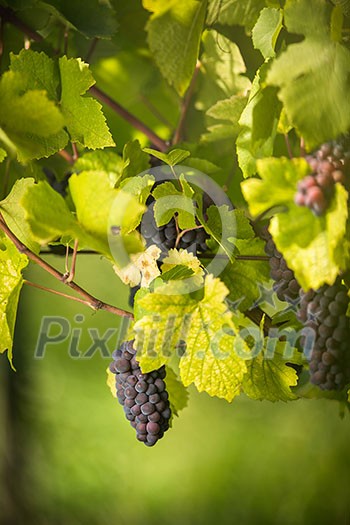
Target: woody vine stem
pixel 87 298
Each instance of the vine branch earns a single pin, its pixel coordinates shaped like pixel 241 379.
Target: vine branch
pixel 288 145
pixel 9 16
pixel 91 49
pixel 238 257
pixel 89 300
pixel 129 117
pixel 66 156
pixel 56 292
pixel 75 155
pixel 70 273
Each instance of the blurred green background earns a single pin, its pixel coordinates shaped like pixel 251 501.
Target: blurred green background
pixel 69 457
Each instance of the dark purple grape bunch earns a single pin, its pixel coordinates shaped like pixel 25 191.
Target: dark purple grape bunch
pixel 285 284
pixel 143 396
pixel 165 237
pixel 327 335
pixel 330 164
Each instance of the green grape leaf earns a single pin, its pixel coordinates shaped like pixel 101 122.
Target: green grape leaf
pixel 219 132
pixel 171 158
pixel 320 250
pixel 234 12
pixel 177 273
pixel 139 311
pixel 156 337
pixel 140 187
pixel 313 78
pixel 315 248
pixel 135 159
pixel 244 278
pixel 15 216
pixel 243 228
pixel 11 265
pixel 307 17
pixel 107 216
pixel 106 160
pixel 81 15
pixel 3 155
pixel 40 71
pixel 284 126
pixel 84 119
pixel 277 186
pixel 228 109
pixel 258 123
pixel 182 265
pixel 268 375
pixel 222 71
pixel 72 78
pixel 266 31
pixel 45 211
pixel 110 381
pixel 48 217
pixel 99 206
pixel 34 134
pixel 177 259
pixel 178 394
pixel 185 186
pixel 211 360
pixel 203 165
pixel 184 268
pixel 225 225
pixel 174 36
pixel 17 112
pixel 169 200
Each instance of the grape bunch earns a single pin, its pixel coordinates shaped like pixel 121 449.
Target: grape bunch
pixel 327 335
pixel 143 396
pixel 330 164
pixel 194 241
pixel 165 237
pixel 285 284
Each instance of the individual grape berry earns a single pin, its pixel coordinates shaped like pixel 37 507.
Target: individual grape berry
pixel 285 284
pixel 330 164
pixel 327 335
pixel 143 396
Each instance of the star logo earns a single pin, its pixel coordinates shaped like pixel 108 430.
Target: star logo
pixel 265 295
pixel 292 304
pixel 234 305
